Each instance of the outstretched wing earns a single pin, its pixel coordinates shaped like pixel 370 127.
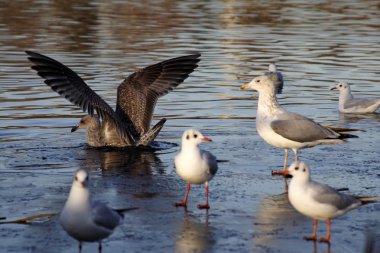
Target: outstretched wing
pixel 138 94
pixel 69 85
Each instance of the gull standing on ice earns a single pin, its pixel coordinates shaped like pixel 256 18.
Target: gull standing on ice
pixel 129 124
pixel 288 130
pixel 319 201
pixel 195 165
pixel 88 220
pixel 349 104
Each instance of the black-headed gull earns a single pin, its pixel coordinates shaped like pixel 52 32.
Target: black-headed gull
pixel 319 201
pixel 129 124
pixel 84 219
pixel 288 130
pixel 195 165
pixel 349 104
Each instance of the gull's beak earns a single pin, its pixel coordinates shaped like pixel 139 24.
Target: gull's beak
pixel 244 86
pixel 74 128
pixel 333 88
pixel 206 139
pixel 286 172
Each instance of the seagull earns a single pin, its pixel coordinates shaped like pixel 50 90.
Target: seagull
pixel 87 220
pixel 349 104
pixel 137 95
pixel 279 79
pixel 194 165
pixel 288 130
pixel 319 201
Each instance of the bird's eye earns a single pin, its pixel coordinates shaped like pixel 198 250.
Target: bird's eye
pixel 195 136
pixel 296 168
pixel 340 85
pixel 187 137
pixel 304 170
pixel 76 178
pixel 257 81
pixel 81 121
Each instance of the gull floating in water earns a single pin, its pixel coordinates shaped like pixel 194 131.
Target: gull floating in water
pixel 129 124
pixel 195 165
pixel 87 220
pixel 288 130
pixel 319 201
pixel 278 78
pixel 349 104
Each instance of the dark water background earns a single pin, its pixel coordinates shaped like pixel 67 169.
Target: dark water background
pixel 314 45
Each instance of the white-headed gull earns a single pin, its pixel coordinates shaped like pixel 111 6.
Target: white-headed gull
pixel 349 104
pixel 84 219
pixel 319 201
pixel 137 95
pixel 195 165
pixel 288 130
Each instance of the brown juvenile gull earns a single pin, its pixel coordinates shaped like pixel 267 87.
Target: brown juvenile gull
pixel 288 130
pixel 129 124
pixel 349 104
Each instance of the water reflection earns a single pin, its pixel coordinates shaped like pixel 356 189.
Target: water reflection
pixel 194 236
pixel 275 219
pixel 347 118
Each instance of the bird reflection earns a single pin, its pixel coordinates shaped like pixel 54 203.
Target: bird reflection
pixel 129 161
pixel 194 236
pixel 354 118
pixel 276 217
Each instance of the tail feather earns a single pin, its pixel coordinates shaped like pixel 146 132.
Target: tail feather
pixel 121 211
pixel 367 199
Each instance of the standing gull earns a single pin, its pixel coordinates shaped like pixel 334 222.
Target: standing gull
pixel 88 220
pixel 288 130
pixel 349 104
pixel 195 165
pixel 137 95
pixel 319 201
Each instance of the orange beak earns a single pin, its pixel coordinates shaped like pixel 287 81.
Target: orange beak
pixel 206 139
pixel 285 172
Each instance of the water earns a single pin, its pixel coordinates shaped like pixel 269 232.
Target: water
pixel 314 45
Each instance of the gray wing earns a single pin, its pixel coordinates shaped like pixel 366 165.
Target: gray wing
pixel 298 128
pixel 328 195
pixel 105 216
pixel 361 103
pixel 211 160
pixel 138 94
pixel 69 85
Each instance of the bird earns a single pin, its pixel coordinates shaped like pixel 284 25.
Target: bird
pixel 87 220
pixel 129 124
pixel 289 130
pixel 349 104
pixel 194 165
pixel 279 79
pixel 319 201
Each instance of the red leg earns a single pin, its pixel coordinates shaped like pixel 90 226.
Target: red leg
pixel 328 235
pixel 184 202
pixel 277 172
pixel 205 206
pixel 314 236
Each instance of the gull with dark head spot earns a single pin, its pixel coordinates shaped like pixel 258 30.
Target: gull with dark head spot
pixel 319 201
pixel 277 77
pixel 137 95
pixel 194 165
pixel 349 104
pixel 288 130
pixel 87 220
pixel 84 219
